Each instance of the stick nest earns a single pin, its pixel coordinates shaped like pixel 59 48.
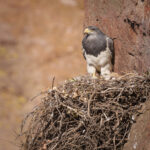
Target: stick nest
pixel 86 114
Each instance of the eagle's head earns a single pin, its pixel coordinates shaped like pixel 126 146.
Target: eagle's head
pixel 93 30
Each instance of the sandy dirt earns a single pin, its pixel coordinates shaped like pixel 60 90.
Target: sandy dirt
pixel 39 40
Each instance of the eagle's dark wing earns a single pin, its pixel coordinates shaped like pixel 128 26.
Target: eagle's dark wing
pixel 111 47
pixel 83 52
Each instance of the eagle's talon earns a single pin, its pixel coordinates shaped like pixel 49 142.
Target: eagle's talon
pixel 94 76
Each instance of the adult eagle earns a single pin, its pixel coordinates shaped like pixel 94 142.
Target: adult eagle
pixel 98 50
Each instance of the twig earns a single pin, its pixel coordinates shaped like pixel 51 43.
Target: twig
pixel 89 102
pixel 53 82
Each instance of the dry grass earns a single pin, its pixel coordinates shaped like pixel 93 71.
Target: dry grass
pixel 86 114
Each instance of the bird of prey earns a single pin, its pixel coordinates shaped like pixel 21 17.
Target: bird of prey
pixel 98 50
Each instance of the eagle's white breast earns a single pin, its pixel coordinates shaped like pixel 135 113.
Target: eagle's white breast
pixel 101 60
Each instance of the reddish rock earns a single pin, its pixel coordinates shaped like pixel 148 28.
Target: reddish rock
pixel 139 138
pixel 129 22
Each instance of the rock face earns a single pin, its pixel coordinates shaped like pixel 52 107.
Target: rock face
pixel 129 22
pixel 139 138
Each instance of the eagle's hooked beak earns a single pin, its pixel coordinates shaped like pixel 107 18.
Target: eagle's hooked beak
pixel 87 31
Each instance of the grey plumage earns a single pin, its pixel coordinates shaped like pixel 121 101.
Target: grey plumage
pixel 96 45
